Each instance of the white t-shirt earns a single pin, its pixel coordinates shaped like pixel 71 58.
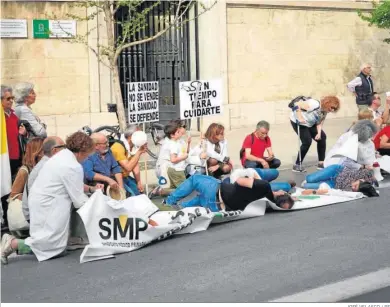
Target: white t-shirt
pixel 377 113
pixel 313 115
pixel 169 147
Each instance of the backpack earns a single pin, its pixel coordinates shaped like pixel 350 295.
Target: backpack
pixel 242 150
pixel 292 103
pixel 112 141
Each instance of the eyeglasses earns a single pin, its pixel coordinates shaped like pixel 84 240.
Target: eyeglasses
pixel 106 143
pixel 10 98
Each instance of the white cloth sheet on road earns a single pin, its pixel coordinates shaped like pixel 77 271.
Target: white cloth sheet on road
pixel 115 227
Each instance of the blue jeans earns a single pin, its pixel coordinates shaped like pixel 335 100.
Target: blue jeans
pixel 327 175
pixel 275 163
pixel 275 186
pixel 130 186
pixel 206 186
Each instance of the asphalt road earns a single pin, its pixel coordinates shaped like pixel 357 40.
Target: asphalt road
pixel 254 260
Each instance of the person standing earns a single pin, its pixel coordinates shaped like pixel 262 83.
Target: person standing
pixel 25 96
pixel 362 87
pixel 309 115
pixel 13 129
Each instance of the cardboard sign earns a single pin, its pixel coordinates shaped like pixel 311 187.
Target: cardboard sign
pixel 143 98
pixel 200 98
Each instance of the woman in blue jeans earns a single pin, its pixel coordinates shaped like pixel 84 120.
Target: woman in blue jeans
pixel 340 177
pixel 217 195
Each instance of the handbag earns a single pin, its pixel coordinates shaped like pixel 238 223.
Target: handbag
pixel 16 219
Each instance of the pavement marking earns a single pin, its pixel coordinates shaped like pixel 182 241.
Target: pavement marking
pixel 341 290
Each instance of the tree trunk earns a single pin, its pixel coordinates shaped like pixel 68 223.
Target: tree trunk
pixel 109 17
pixel 118 98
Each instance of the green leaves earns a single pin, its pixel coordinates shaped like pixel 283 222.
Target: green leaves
pixel 379 16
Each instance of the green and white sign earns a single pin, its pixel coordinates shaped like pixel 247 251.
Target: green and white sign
pixel 44 28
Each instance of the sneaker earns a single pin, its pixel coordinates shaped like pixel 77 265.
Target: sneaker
pixel 155 192
pixel 6 248
pixel 298 169
pixel 320 166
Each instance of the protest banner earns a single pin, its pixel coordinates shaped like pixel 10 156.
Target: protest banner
pixel 200 98
pixel 143 98
pixel 115 227
pixel 143 101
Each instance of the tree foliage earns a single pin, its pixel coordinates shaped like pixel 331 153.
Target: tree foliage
pixel 379 16
pixel 133 29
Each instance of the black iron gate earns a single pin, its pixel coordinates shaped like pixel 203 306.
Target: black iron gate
pixel 165 59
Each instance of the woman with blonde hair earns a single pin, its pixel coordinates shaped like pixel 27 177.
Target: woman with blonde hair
pixel 218 163
pixel 34 153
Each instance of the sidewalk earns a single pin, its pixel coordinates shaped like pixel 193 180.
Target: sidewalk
pixel 284 144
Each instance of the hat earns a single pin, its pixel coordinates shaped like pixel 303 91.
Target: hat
pixel 116 194
pixel 139 138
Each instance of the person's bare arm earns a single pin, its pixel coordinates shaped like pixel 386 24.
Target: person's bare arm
pixel 119 179
pixel 384 142
pixel 129 165
pixel 111 182
pixel 386 112
pixel 176 159
pixel 251 157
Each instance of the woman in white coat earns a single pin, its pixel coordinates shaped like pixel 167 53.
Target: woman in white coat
pixel 58 185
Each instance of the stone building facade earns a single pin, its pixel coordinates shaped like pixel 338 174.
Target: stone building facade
pixel 265 52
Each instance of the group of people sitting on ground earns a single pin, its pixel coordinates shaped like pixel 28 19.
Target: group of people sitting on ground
pixel 50 175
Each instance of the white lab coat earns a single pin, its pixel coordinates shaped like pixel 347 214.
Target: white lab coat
pixel 58 185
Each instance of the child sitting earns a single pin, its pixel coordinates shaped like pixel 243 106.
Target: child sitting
pixel 171 162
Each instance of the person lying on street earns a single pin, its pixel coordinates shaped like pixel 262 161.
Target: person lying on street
pixel 58 186
pixel 260 174
pixel 340 177
pixel 216 196
pixel 101 166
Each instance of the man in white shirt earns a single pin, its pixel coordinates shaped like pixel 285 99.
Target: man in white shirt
pixel 362 86
pixel 59 184
pixel 380 117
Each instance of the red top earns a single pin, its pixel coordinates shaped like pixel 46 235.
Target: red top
pixel 377 139
pixel 11 122
pixel 257 148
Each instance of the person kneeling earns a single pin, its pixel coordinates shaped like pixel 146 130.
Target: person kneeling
pixel 216 196
pixel 58 185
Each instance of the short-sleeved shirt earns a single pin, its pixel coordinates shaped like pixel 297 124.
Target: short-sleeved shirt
pixel 384 131
pixel 120 153
pixel 257 148
pixel 95 164
pixel 169 147
pixel 313 115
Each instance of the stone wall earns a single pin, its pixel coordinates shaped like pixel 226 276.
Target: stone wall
pixel 68 79
pixel 279 52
